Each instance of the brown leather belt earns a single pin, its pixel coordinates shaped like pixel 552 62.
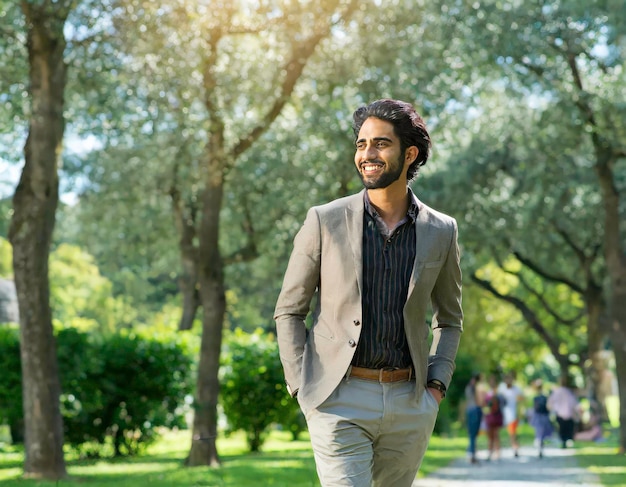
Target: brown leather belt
pixel 382 375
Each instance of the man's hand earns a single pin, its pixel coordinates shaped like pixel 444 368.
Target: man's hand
pixel 436 393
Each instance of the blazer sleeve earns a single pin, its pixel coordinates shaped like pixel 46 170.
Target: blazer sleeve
pixel 301 280
pixel 447 323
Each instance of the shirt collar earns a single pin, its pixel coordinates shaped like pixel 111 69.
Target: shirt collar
pixel 411 212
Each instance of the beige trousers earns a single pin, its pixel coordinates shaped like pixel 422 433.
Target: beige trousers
pixel 371 434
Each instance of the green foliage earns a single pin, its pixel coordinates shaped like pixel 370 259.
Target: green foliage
pixel 6 259
pixel 140 384
pixel 116 390
pixel 11 383
pixel 253 395
pixel 80 296
pixel 13 88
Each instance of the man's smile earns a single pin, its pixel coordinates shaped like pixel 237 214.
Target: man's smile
pixel 371 167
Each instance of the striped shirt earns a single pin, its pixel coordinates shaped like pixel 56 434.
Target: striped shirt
pixel 388 257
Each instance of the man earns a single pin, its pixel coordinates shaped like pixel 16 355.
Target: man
pixel 363 374
pixel 512 396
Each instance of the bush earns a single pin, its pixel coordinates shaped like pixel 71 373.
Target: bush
pixel 117 389
pixel 11 384
pixel 134 385
pixel 252 394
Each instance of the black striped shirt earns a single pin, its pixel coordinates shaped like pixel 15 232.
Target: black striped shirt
pixel 388 258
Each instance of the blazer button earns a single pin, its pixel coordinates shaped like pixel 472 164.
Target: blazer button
pixel 352 343
pixel 356 322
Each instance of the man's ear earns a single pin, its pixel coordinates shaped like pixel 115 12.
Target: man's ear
pixel 410 154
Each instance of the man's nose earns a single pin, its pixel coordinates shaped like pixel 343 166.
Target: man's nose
pixel 370 152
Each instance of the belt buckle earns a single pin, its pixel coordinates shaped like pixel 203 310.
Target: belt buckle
pixel 383 370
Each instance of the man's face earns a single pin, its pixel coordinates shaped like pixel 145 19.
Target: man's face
pixel 378 158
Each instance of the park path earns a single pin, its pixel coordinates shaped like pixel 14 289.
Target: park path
pixel 557 468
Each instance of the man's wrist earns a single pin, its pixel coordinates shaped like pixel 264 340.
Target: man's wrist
pixel 292 392
pixel 437 385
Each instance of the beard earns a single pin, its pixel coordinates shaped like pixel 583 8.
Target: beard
pixel 390 175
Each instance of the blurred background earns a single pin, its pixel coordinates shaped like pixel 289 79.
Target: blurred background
pixel 161 156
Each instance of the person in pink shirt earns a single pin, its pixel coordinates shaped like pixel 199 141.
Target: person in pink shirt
pixel 563 403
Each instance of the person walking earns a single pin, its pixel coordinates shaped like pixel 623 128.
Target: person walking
pixel 493 418
pixel 563 403
pixel 363 373
pixel 474 402
pixel 540 417
pixel 512 396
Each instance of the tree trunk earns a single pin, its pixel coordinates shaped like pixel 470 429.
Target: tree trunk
pixel 191 298
pixel 185 219
pixel 34 206
pixel 618 338
pixel 597 335
pixel 616 264
pixel 212 294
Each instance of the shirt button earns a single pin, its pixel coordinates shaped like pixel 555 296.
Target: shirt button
pixel 352 343
pixel 356 322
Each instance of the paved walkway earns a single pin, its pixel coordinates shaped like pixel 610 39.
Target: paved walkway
pixel 557 468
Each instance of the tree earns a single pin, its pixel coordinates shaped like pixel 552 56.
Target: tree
pixel 34 205
pixel 287 32
pixel 567 56
pixel 221 154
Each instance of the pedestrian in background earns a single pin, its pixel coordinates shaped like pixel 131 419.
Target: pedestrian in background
pixel 540 417
pixel 563 403
pixel 512 396
pixel 474 402
pixel 493 418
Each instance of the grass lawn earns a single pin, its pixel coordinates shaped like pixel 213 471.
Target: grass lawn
pixel 602 459
pixel 282 463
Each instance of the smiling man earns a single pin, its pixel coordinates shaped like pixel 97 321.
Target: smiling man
pixel 368 375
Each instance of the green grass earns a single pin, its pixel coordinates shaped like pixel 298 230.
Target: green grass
pixel 282 463
pixel 603 460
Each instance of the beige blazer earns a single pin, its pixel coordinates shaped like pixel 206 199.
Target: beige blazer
pixel 327 261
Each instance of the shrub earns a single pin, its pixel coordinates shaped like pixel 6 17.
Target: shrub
pixel 134 385
pixel 252 394
pixel 116 389
pixel 11 383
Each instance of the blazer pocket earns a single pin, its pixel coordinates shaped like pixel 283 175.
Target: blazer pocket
pixel 430 265
pixel 425 274
pixel 322 331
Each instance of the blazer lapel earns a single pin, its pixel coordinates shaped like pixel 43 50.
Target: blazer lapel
pixel 421 232
pixel 354 224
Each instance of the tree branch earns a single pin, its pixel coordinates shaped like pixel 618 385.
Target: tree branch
pixel 543 301
pixel 293 69
pixel 185 221
pixel 546 275
pixel 529 315
pixel 250 250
